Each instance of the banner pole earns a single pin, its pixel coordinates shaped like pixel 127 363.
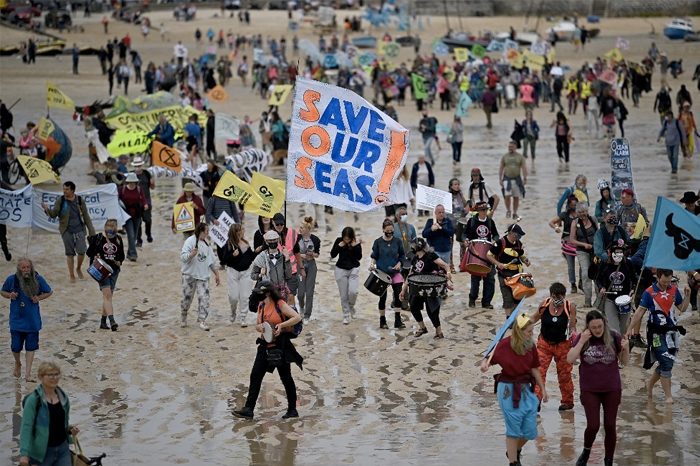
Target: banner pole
pixel 29 233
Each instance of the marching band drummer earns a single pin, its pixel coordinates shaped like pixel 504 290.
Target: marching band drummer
pixel 425 262
pixel 388 255
pixel 481 227
pixel 508 255
pixel 615 279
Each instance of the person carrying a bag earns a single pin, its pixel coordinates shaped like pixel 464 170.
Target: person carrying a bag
pixel 582 236
pixel 46 430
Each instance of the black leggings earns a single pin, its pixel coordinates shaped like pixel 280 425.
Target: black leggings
pixel 396 302
pixel 258 373
pixel 562 148
pixel 622 128
pixel 417 304
pixel 592 402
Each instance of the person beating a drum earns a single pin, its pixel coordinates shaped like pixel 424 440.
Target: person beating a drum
pixel 481 227
pixel 615 280
pixel 508 255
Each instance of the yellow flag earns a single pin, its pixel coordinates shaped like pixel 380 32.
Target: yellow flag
pixel 461 54
pixel 271 191
pixel 519 62
pixel 166 157
pixel 37 170
pixel 46 127
pixel 381 47
pixel 533 59
pixel 56 98
pixel 217 94
pixel 639 227
pixel 128 142
pixel 183 214
pixel 450 75
pixel 512 55
pixel 552 54
pixel 235 189
pixel 614 54
pixel 279 94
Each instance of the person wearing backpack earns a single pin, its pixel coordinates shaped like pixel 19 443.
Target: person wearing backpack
pixel 135 203
pixel 558 317
pixel 275 311
pixel 675 138
pixel 46 431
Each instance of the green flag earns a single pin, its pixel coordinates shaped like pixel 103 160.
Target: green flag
pixel 478 51
pixel 418 86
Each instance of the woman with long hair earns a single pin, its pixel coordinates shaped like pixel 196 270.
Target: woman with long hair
pixel 198 263
pixel 387 256
pixel 275 311
pixel 403 194
pixel 109 247
pixel 237 257
pixel 520 371
pixel 606 201
pixel 563 136
pixel 348 250
pixel 308 247
pixel 608 104
pixel 600 350
pixel 562 224
pixel 46 430
pixel 264 225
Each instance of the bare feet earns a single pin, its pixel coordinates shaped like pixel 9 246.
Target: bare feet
pixel 18 371
pixel 669 400
pixel 80 274
pixel 29 378
pixel 647 384
pixel 72 278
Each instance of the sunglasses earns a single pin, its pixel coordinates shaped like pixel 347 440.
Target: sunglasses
pixel 279 224
pixel 53 375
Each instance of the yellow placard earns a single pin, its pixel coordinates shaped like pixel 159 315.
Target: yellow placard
pixel 461 54
pixel 533 59
pixel 272 193
pixel 279 94
pixel 46 127
pixel 56 98
pixel 217 94
pixel 166 157
pixel 639 227
pixel 183 214
pixel 512 55
pixel 450 75
pixel 381 47
pixel 551 55
pixel 235 189
pixel 519 62
pixel 37 170
pixel 128 142
pixel 614 54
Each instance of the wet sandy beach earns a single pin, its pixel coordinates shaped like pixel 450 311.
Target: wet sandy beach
pixel 153 393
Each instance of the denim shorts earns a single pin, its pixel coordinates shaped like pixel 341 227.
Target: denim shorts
pixel 111 281
pixel 28 340
pixel 665 363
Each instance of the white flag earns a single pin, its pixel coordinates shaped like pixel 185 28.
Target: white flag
pixel 226 127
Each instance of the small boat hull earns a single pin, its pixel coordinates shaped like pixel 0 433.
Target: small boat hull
pixel 675 33
pixel 364 42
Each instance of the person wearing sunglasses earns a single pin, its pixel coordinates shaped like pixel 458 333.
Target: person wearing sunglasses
pixel 46 430
pixel 387 256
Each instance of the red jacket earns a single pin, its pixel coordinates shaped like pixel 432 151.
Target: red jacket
pixel 199 209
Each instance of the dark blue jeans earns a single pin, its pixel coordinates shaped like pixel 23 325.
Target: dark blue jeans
pixel 489 287
pixel 55 456
pixel 132 227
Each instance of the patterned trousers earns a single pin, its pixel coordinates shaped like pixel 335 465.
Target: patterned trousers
pixel 189 286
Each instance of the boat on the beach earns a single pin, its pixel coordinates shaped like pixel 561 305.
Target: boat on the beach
pixel 564 30
pixel 364 42
pixel 694 37
pixel 465 41
pixel 678 28
pixel 522 38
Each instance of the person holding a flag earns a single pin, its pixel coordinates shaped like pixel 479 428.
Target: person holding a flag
pixel 515 385
pixel 662 300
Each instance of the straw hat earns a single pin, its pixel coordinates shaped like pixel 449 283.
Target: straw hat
pixel 189 187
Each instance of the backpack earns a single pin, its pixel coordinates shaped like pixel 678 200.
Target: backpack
pixel 298 327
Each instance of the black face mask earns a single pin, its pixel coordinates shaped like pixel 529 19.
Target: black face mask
pixel 272 245
pixel 389 233
pixel 611 221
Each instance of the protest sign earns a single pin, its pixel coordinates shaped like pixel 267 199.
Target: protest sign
pixel 37 170
pixel 441 49
pixel 102 203
pixel 428 198
pixel 16 207
pixel 614 54
pixel 146 121
pixel 512 55
pixel 495 46
pixel 418 82
pixel 478 51
pixel 343 151
pixel 56 98
pixel 128 142
pixel 620 169
pixel 217 94
pixel 279 95
pixel 166 157
pixel 271 191
pixel 622 44
pixel 392 50
pixel 219 233
pixel 184 216
pixel 46 127
pixel 461 54
pixel 226 127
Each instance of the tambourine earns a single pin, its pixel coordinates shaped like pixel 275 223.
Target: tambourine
pixel 268 332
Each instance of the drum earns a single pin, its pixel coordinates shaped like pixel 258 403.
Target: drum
pixel 427 286
pixel 459 229
pixel 475 258
pixel 99 270
pixel 624 304
pixel 522 285
pixel 377 282
pixel 268 332
pixel 510 92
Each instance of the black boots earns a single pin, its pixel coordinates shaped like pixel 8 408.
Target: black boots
pixel 583 459
pixel 382 323
pixel 245 413
pixel 398 323
pixel 607 462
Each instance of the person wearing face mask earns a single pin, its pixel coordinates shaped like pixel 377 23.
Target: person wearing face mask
pixel 348 250
pixel 664 302
pixel 615 279
pixel 406 232
pixel 558 317
pixel 198 263
pixel 109 247
pixel 608 234
pixel 628 213
pixel 512 184
pixel 675 138
pixel 508 255
pixel 479 190
pixel 583 230
pixel 308 248
pixel 607 201
pixel 520 373
pixel 481 227
pixel 387 256
pixel 602 351
pixel 273 264
pixel 288 237
pixel 578 189
pixel 274 310
pixel 460 207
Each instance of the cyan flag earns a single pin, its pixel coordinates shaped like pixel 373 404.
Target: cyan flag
pixel 675 238
pixel 463 105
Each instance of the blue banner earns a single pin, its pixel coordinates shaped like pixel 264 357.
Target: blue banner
pixel 675 238
pixel 502 331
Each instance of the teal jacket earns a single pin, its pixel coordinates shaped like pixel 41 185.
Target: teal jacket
pixel 34 434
